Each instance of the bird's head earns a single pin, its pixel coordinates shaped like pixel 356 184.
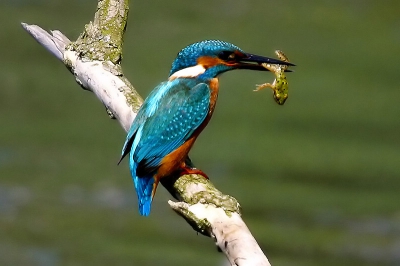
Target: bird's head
pixel 208 59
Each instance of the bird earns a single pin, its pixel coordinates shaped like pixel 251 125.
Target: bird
pixel 177 110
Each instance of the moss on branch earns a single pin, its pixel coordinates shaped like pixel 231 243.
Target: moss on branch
pixel 102 39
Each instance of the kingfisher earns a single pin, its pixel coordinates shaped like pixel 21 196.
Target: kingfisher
pixel 177 110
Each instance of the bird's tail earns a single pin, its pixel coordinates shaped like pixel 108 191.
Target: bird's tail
pixel 144 190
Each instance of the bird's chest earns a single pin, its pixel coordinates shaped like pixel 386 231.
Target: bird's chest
pixel 214 88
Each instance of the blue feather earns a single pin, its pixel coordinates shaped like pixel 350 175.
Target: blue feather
pixel 144 189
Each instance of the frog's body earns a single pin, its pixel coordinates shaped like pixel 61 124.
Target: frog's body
pixel 280 84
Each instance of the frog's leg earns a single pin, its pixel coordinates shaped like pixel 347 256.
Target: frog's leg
pixel 263 86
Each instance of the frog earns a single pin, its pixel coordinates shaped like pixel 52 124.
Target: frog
pixel 280 84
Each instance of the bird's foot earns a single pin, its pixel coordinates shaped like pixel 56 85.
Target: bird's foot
pixel 191 171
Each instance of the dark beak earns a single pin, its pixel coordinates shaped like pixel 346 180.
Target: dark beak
pixel 253 62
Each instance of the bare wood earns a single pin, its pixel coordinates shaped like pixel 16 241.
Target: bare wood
pixel 94 59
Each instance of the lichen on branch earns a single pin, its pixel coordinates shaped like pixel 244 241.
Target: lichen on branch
pixel 102 39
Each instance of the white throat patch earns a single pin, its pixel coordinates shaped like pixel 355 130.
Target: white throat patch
pixel 189 72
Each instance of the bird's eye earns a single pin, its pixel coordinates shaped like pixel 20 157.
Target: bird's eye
pixel 227 56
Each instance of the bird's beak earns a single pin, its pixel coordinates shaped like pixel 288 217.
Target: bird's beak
pixel 253 62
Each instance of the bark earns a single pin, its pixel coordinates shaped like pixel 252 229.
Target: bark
pixel 94 59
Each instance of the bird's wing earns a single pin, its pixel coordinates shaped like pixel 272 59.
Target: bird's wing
pixel 177 114
pixel 146 110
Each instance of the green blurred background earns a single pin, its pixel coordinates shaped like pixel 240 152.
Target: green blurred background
pixel 318 178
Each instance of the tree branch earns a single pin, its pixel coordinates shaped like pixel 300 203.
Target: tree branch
pixel 94 59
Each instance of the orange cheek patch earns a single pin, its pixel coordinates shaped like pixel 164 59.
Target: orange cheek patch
pixel 208 61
